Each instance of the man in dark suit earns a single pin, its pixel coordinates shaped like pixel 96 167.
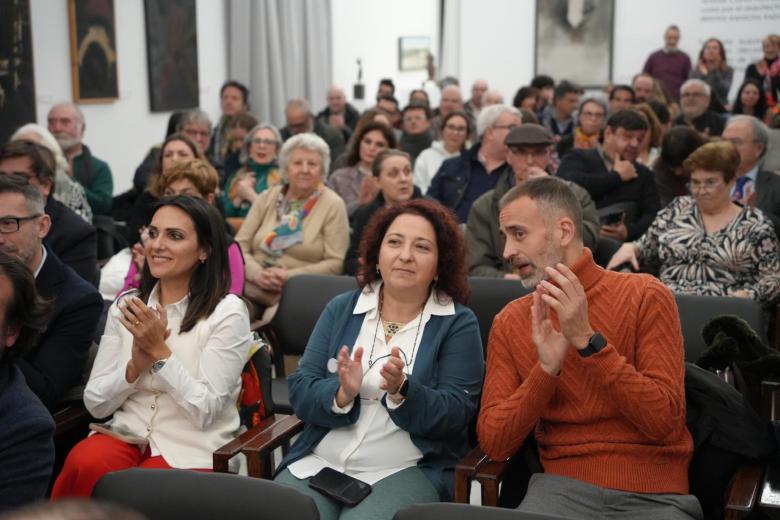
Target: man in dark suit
pixel 623 190
pixel 72 239
pixel 755 187
pixel 26 427
pixel 55 364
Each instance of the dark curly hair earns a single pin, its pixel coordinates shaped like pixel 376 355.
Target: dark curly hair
pixel 451 269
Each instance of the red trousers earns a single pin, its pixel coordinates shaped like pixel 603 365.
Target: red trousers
pixel 95 456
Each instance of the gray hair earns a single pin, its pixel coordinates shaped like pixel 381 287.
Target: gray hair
pixel 305 141
pixel 196 116
pixel 489 115
pixel 553 198
pixel 694 81
pixel 244 156
pixel 298 103
pixel 47 140
pixel 32 195
pixel 760 132
pixel 494 94
pixel 594 99
pixel 74 107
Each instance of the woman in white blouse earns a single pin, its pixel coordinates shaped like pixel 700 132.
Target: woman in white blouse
pixel 169 363
pixel 392 373
pixel 455 130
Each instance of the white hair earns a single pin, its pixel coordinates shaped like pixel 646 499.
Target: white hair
pixel 492 93
pixel 305 141
pixel 45 139
pixel 760 132
pixel 74 107
pixel 694 82
pixel 489 115
pixel 247 144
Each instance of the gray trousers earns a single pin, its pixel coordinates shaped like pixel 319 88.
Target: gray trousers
pixel 571 498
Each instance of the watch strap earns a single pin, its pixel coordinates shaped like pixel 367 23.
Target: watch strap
pixel 595 344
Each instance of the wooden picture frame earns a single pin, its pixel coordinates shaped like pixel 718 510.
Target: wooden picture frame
pixel 93 57
pixel 575 44
pixel 17 81
pixel 172 54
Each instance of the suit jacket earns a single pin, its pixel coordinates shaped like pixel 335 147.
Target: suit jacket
pixel 72 240
pixel 26 447
pixel 54 366
pixel 768 196
pixel 587 168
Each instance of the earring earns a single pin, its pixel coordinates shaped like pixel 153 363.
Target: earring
pixel 202 260
pixel 377 270
pixel 435 280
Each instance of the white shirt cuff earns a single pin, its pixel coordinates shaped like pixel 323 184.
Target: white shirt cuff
pixel 335 408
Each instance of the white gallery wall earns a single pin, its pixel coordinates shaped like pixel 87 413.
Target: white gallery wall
pixel 121 132
pixel 496 42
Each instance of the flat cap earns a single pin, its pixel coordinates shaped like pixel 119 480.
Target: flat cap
pixel 529 134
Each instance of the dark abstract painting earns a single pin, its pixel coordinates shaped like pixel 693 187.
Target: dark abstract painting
pixel 172 52
pixel 17 84
pixel 93 50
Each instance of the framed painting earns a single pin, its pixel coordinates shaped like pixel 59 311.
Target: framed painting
pixel 17 83
pixel 413 52
pixel 574 40
pixel 93 58
pixel 172 54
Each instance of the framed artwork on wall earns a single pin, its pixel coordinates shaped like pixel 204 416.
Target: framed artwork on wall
pixel 413 52
pixel 172 54
pixel 17 83
pixel 574 40
pixel 93 58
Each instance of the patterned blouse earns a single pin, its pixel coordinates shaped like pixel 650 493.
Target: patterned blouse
pixel 744 255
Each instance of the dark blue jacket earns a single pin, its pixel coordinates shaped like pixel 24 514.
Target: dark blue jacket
pixel 443 390
pixel 450 182
pixel 26 447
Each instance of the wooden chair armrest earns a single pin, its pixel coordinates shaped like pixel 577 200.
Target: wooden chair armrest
pixel 259 450
pixel 72 416
pixel 742 493
pixel 489 475
pixel 222 456
pixel 464 473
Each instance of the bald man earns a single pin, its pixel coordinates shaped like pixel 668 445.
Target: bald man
pixel 339 113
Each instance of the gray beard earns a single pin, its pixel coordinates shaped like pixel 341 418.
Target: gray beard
pixel 67 143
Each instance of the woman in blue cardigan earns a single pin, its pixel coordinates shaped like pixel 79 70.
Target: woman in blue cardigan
pixel 392 373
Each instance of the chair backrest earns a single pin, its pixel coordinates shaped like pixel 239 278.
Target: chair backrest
pixel 697 311
pixel 488 297
pixel 303 299
pixel 444 511
pixel 162 494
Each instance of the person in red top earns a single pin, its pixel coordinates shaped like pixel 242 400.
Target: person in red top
pixel 592 363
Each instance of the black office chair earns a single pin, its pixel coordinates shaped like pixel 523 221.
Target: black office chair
pixel 303 299
pixel 488 297
pixel 162 494
pixel 445 511
pixel 696 311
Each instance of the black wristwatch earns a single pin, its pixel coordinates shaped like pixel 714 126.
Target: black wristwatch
pixel 404 388
pixel 595 344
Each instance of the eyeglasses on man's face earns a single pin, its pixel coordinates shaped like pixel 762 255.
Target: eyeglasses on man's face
pixel 10 225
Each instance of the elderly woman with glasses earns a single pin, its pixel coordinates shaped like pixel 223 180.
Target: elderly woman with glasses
pixel 298 227
pixel 705 243
pixel 260 170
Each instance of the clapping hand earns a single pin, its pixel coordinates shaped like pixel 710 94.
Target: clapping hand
pixel 350 376
pixel 393 372
pixel 149 334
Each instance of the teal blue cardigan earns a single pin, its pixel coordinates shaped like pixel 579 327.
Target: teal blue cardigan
pixel 443 390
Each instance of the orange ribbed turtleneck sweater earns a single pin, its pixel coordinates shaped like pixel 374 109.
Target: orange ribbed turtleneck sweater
pixel 615 419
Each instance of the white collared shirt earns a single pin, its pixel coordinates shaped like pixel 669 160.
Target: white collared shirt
pixel 188 408
pixel 374 447
pixel 44 254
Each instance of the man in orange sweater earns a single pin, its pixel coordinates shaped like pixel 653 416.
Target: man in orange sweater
pixel 592 362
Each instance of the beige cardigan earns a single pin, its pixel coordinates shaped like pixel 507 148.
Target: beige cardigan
pixel 325 236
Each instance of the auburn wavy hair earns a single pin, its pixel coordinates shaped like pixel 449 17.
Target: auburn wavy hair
pixel 451 269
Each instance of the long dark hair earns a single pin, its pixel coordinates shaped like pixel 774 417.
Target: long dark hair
pixel 761 106
pixel 26 311
pixel 450 242
pixel 210 281
pixel 353 155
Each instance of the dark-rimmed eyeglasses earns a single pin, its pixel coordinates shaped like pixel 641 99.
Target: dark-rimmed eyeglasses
pixel 10 225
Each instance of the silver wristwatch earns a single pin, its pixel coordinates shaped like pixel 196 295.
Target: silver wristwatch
pixel 157 365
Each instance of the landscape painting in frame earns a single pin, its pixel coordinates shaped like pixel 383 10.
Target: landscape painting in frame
pixel 93 56
pixel 574 40
pixel 172 54
pixel 413 52
pixel 17 83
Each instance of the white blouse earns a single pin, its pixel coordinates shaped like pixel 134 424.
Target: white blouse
pixel 374 447
pixel 188 408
